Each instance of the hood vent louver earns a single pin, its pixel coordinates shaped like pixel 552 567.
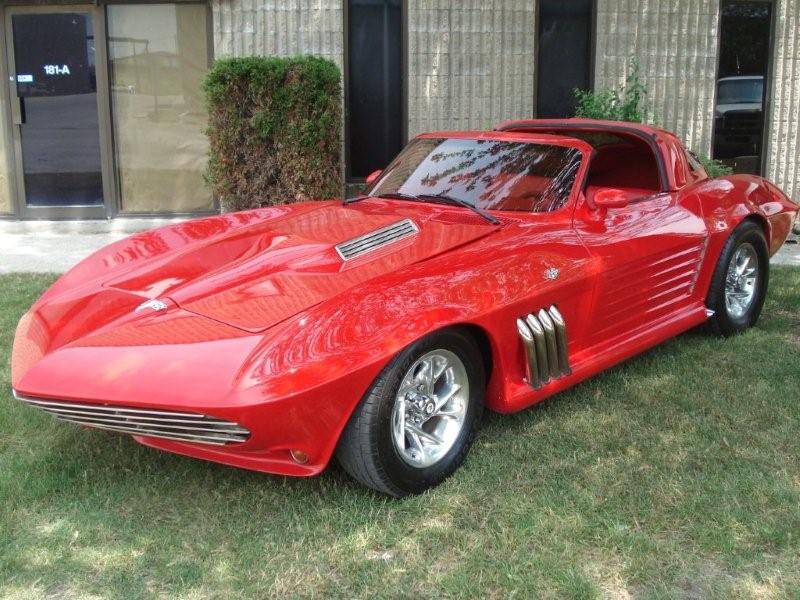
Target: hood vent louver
pixel 377 239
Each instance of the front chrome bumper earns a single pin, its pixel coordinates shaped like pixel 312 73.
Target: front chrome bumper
pixel 156 423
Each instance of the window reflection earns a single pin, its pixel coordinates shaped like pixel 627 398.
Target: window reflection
pixel 56 87
pixel 490 174
pixel 158 57
pixel 743 60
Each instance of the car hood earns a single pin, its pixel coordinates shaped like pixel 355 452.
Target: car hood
pixel 261 274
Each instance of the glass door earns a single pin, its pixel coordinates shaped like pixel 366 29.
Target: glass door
pixel 55 110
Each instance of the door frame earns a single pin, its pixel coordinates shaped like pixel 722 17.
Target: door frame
pixel 108 174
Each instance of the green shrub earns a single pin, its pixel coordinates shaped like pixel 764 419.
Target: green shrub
pixel 713 167
pixel 274 130
pixel 624 103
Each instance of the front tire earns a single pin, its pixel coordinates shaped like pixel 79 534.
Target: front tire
pixel 416 423
pixel 739 284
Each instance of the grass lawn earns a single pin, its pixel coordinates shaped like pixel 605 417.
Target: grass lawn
pixel 674 475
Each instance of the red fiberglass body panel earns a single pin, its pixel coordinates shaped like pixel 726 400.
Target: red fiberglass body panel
pixel 262 322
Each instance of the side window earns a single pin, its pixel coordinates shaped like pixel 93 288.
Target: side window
pixel 625 165
pixel 694 164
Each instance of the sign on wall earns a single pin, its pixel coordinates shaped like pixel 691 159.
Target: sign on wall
pixel 53 54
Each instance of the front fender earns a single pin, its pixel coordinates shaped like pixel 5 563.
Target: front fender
pixel 337 343
pixel 333 351
pixel 319 369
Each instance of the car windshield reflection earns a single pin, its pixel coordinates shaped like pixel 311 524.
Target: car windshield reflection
pixel 488 174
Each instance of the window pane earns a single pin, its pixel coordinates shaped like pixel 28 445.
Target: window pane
pixel 743 60
pixel 489 174
pixel 54 55
pixel 565 50
pixel 158 57
pixel 374 44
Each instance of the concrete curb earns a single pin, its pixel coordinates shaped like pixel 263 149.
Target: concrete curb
pixel 120 225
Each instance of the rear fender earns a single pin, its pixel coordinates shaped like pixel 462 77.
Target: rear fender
pixel 728 201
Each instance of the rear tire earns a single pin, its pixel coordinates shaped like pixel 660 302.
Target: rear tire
pixel 390 443
pixel 739 284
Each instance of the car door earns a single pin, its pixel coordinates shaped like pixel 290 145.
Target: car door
pixel 647 257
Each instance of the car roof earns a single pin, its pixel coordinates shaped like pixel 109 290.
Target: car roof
pixel 581 123
pixel 513 136
pixel 663 143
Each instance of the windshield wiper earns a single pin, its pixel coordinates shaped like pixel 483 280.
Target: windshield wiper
pixel 389 195
pixel 447 199
pixel 441 198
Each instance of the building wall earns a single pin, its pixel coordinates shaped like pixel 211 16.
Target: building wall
pixel 675 42
pixel 470 63
pixel 783 126
pixel 279 27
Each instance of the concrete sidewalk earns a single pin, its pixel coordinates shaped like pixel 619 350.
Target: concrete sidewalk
pixel 55 246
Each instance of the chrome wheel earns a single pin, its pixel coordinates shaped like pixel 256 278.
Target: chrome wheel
pixel 430 408
pixel 741 280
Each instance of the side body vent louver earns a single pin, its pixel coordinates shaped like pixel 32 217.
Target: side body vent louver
pixel 544 336
pixel 377 239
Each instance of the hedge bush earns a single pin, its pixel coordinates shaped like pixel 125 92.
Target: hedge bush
pixel 714 167
pixel 626 103
pixel 275 129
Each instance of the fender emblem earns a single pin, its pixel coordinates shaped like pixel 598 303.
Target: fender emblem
pixel 551 273
pixel 156 305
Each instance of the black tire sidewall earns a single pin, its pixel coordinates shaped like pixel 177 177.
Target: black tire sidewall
pixel 725 324
pixel 404 476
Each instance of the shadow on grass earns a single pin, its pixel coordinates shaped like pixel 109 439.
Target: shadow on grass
pixel 677 470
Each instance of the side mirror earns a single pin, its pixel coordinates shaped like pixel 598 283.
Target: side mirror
pixel 373 176
pixel 610 198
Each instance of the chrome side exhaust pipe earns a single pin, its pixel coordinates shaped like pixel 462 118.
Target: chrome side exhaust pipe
pixel 561 340
pixel 541 348
pixel 550 339
pixel 530 353
pixel 544 338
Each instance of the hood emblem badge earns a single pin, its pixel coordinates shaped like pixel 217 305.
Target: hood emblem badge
pixel 551 273
pixel 156 305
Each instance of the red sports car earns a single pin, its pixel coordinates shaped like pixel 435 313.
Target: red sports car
pixel 480 269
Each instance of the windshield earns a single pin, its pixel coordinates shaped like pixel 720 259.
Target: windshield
pixel 488 174
pixel 740 91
